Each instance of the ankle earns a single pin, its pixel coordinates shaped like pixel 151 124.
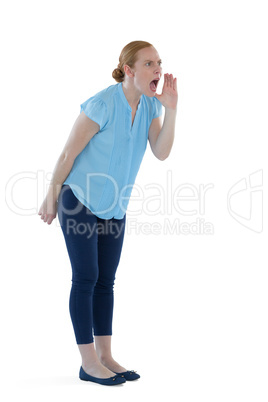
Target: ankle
pixel 90 364
pixel 105 359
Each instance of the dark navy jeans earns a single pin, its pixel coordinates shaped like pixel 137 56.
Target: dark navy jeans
pixel 94 246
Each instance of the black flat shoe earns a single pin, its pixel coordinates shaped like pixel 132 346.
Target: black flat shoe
pixel 130 375
pixel 115 380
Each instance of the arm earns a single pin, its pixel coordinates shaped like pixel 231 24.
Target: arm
pixel 161 137
pixel 83 130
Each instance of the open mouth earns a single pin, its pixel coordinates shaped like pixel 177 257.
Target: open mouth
pixel 153 84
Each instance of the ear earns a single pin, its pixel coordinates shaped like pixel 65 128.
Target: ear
pixel 128 71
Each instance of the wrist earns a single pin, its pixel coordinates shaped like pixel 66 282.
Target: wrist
pixel 54 191
pixel 171 110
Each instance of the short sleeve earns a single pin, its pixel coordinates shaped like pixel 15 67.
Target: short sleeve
pixel 157 110
pixel 96 110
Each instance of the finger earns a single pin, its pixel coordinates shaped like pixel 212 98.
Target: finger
pixel 164 84
pixel 175 84
pixel 169 80
pixel 50 219
pixel 40 212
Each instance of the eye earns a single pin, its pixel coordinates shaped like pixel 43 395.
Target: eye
pixel 148 64
pixel 160 62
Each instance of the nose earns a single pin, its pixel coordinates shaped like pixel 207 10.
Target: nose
pixel 158 69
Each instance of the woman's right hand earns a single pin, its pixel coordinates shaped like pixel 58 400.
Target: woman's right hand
pixel 48 210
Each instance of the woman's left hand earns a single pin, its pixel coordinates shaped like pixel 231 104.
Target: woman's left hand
pixel 169 96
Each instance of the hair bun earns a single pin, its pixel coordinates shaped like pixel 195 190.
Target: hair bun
pixel 118 74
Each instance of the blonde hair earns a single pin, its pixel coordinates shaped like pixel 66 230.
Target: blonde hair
pixel 128 56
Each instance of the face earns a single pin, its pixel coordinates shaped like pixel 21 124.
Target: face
pixel 147 71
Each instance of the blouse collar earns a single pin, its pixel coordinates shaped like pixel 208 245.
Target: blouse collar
pixel 124 99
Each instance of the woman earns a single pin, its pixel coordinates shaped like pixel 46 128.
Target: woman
pixel 90 191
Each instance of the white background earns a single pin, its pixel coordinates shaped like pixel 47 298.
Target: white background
pixel 190 309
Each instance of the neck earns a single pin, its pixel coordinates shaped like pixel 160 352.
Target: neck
pixel 131 93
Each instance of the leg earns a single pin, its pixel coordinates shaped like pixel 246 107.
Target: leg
pixel 75 220
pixel 84 262
pixel 110 243
pixel 91 363
pixel 104 352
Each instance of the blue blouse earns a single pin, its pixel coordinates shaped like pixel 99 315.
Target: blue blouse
pixel 103 174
